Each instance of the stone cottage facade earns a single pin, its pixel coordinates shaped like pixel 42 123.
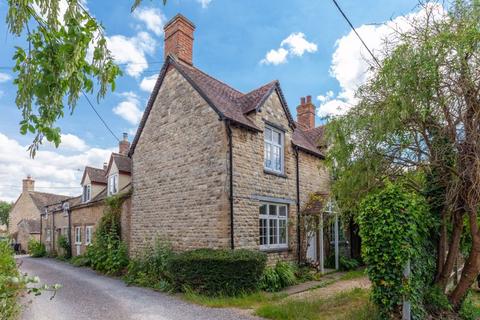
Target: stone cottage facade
pixel 77 218
pixel 24 217
pixel 214 167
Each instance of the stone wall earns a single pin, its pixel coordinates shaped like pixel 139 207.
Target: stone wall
pixel 83 216
pixel 179 172
pixel 24 208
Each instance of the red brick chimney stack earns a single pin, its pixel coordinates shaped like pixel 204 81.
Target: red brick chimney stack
pixel 306 113
pixel 28 184
pixel 179 38
pixel 124 145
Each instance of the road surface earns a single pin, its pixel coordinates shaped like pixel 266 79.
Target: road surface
pixel 88 295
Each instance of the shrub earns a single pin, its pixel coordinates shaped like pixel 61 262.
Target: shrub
pixel 344 263
pixel 394 227
pixel 65 245
pixel 468 309
pixel 107 253
pixel 36 248
pixel 278 277
pixel 80 261
pixel 9 290
pixel 150 270
pixel 218 272
pixel 436 302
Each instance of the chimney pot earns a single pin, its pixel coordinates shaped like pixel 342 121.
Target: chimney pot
pixel 124 145
pixel 179 39
pixel 28 185
pixel 105 166
pixel 309 99
pixel 302 101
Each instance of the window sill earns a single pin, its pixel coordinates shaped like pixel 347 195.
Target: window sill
pixel 273 250
pixel 274 173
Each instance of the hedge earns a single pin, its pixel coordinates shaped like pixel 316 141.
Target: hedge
pixel 218 272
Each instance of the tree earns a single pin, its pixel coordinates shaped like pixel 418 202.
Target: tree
pixel 65 56
pixel 418 119
pixel 4 212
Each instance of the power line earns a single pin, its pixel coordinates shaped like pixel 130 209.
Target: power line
pixel 37 187
pixel 99 116
pixel 353 28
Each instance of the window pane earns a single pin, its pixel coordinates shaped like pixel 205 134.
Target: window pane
pixel 268 134
pixel 273 231
pixel 263 209
pixel 268 156
pixel 283 231
pixel 277 159
pixel 275 137
pixel 282 211
pixel 263 231
pixel 272 210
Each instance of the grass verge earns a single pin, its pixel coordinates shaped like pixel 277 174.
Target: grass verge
pixel 243 301
pixel 349 305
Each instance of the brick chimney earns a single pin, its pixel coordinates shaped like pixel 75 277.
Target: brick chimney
pixel 306 113
pixel 28 184
pixel 124 145
pixel 179 38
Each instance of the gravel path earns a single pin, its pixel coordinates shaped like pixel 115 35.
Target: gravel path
pixel 88 295
pixel 333 289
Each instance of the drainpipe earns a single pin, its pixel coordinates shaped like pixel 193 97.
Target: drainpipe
pixel 230 156
pixel 53 232
pixel 41 230
pixel 298 203
pixel 69 211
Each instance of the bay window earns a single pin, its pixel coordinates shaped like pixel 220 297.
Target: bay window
pixel 273 225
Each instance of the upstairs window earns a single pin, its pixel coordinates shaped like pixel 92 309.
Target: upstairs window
pixel 78 235
pixel 273 153
pixel 273 226
pixel 87 193
pixel 113 184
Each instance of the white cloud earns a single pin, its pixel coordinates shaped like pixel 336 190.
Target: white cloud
pixel 72 142
pixel 148 83
pixel 351 61
pixel 204 3
pixel 275 57
pixel 298 45
pixel 129 108
pixel 153 18
pixel 326 97
pixel 295 44
pixel 132 51
pixel 50 168
pixel 4 77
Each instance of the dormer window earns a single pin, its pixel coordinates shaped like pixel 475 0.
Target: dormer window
pixel 113 184
pixel 87 193
pixel 273 153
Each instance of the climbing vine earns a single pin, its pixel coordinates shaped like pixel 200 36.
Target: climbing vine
pixel 394 227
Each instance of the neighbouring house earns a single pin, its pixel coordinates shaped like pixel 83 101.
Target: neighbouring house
pixel 77 218
pixel 24 216
pixel 215 167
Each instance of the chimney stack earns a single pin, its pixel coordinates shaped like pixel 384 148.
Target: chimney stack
pixel 306 113
pixel 105 166
pixel 179 39
pixel 124 145
pixel 28 184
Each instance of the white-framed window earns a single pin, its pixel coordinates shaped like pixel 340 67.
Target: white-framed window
pixel 273 150
pixel 88 234
pixel 273 225
pixel 78 235
pixel 87 193
pixel 49 234
pixel 113 184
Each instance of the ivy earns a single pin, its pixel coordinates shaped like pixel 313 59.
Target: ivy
pixel 394 227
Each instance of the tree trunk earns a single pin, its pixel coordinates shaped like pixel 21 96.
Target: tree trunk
pixel 469 273
pixel 442 245
pixel 442 279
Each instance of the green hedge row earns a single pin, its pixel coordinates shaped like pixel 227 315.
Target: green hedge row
pixel 218 272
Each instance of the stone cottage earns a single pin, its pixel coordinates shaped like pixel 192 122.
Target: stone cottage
pixel 215 167
pixel 24 218
pixel 77 218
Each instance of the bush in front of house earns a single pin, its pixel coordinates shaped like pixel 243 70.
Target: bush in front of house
pixel 278 277
pixel 108 253
pixel 9 288
pixel 65 245
pixel 217 272
pixel 150 269
pixel 344 263
pixel 80 261
pixel 36 248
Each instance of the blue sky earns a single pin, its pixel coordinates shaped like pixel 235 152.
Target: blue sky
pixel 232 38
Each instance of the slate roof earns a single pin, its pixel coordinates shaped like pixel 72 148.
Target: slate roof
pixel 229 103
pixel 96 175
pixel 123 163
pixel 42 199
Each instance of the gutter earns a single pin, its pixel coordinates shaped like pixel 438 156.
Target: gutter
pixel 298 201
pixel 230 156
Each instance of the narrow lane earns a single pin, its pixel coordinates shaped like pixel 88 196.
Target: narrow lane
pixel 88 295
